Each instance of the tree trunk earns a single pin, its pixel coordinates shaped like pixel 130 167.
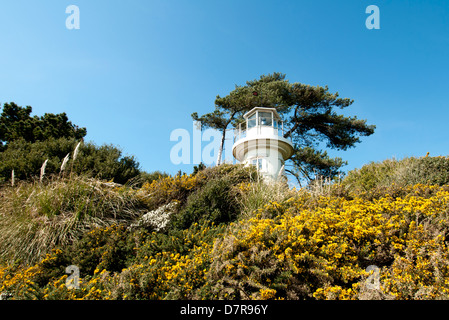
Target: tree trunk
pixel 220 150
pixel 223 137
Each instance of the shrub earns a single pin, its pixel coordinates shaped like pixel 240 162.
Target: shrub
pixel 170 266
pixel 236 173
pixel 167 189
pixel 149 177
pixel 214 202
pixel 26 158
pixel 230 237
pixel 111 248
pixel 150 266
pixel 429 170
pixel 104 162
pixel 318 248
pixel 371 176
pixel 391 175
pixel 157 220
pixel 305 247
pixel 179 187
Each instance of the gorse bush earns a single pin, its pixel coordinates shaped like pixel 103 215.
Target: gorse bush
pixel 218 198
pixel 159 265
pixel 321 248
pixel 180 187
pixel 36 217
pixel 429 170
pixel 167 189
pixel 215 202
pixel 230 236
pixel 305 247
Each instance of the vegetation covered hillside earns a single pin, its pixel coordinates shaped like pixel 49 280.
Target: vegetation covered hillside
pixel 220 233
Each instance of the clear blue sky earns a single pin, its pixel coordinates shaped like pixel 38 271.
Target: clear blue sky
pixel 136 70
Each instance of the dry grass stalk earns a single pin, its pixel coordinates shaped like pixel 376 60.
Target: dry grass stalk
pixel 44 165
pixel 75 153
pixel 258 194
pixel 64 162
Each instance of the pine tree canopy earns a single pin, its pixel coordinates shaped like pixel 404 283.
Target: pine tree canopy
pixel 310 118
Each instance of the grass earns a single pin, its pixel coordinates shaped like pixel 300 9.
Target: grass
pixel 407 171
pixel 256 195
pixel 36 217
pixel 55 211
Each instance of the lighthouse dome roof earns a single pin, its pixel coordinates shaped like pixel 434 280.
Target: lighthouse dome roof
pixel 262 109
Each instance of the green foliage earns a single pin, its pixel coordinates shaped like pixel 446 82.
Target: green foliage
pixel 198 168
pixel 104 162
pixel 394 174
pixel 111 248
pixel 179 187
pixel 310 120
pixel 38 217
pixel 235 173
pixel 214 202
pixel 148 177
pixel 429 170
pixel 17 123
pixel 256 195
pixel 233 237
pixel 371 175
pixel 26 158
pixel 179 241
pixel 27 141
pixel 311 163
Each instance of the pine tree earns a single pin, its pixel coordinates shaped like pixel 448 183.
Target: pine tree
pixel 309 116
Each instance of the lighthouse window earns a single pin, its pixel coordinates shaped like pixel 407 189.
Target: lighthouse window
pixel 252 121
pixel 258 163
pixel 265 118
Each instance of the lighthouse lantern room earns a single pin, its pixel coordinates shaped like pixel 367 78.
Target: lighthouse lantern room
pixel 260 141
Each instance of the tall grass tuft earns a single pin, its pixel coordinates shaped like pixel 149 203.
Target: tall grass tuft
pixel 256 195
pixel 64 163
pixel 320 187
pixel 75 155
pixel 77 149
pixel 44 165
pixel 36 217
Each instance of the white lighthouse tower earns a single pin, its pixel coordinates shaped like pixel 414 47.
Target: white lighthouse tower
pixel 259 141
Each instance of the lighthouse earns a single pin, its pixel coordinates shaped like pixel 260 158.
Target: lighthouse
pixel 259 141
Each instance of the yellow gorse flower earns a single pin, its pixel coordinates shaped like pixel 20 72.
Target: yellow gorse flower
pixel 311 247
